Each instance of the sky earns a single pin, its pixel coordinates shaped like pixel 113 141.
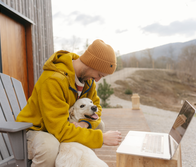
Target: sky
pixel 126 25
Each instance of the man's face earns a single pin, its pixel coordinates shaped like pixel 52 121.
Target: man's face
pixel 90 73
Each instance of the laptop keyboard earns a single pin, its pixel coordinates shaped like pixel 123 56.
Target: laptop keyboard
pixel 153 144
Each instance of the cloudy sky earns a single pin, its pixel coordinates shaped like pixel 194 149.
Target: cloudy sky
pixel 127 25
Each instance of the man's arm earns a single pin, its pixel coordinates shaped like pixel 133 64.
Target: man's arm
pixel 110 138
pixel 55 113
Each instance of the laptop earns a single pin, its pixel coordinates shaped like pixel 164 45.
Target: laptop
pixel 158 145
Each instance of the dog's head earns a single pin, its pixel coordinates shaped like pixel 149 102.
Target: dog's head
pixel 82 109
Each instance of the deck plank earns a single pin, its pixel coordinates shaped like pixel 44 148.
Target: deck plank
pixel 122 120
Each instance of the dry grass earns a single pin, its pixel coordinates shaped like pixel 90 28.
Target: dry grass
pixel 159 88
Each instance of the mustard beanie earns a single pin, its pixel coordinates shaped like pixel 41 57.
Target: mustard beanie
pixel 100 56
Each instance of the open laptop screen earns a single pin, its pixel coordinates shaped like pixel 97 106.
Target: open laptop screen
pixel 182 121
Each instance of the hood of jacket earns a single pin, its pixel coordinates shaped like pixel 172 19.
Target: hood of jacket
pixel 61 62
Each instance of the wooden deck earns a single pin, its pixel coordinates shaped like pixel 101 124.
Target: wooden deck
pixel 122 120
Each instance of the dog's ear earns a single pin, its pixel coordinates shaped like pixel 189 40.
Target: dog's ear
pixel 71 112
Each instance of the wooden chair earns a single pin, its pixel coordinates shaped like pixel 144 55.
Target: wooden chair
pixel 13 145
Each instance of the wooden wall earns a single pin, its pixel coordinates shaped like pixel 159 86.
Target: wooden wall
pixel 40 12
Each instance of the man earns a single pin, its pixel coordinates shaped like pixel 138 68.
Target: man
pixel 55 92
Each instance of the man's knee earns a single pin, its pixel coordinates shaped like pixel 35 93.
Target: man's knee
pixel 42 144
pixel 48 147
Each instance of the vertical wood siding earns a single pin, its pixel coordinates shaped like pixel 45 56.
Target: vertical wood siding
pixel 40 12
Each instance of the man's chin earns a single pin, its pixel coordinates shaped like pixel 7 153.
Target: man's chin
pixel 81 80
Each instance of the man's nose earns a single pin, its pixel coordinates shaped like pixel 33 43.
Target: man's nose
pixel 97 79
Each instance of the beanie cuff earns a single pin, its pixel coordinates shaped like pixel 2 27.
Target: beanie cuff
pixel 97 64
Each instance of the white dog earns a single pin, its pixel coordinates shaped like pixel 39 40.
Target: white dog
pixel 84 109
pixel 74 154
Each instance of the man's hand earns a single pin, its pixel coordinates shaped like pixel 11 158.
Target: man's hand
pixel 81 124
pixel 112 138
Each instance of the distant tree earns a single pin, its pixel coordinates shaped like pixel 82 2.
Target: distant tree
pixel 144 62
pixel 171 62
pixel 133 61
pixel 119 63
pixel 187 60
pixel 74 44
pixel 85 46
pixel 104 91
pixel 70 45
pixel 125 61
pixel 161 62
pixel 150 59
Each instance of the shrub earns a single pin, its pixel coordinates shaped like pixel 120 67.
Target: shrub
pixel 104 91
pixel 128 92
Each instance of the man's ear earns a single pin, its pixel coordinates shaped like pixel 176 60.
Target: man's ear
pixel 71 112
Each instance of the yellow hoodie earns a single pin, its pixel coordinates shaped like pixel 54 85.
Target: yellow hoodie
pixel 54 93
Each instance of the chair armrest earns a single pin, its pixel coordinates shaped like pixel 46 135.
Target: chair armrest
pixel 16 132
pixel 14 126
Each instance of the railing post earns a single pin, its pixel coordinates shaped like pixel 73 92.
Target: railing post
pixel 135 101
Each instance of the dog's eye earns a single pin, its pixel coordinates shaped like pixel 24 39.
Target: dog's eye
pixel 91 101
pixel 82 106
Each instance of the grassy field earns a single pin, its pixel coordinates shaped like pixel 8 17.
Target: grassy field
pixel 158 88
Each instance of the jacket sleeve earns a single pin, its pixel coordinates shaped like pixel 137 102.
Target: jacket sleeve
pixel 54 109
pixel 92 94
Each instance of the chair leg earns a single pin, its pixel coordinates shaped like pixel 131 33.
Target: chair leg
pixel 19 147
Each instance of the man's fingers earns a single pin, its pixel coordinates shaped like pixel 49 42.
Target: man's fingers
pixel 76 124
pixel 112 138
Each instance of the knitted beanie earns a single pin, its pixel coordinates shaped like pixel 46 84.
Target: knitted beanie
pixel 100 56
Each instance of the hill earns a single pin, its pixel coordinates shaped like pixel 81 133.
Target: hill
pixel 169 50
pixel 159 88
pixel 164 89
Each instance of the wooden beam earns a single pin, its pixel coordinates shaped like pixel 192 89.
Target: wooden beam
pixel 29 54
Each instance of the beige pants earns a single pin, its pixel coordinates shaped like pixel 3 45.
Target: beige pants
pixel 43 148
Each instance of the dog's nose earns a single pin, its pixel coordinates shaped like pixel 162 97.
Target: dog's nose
pixel 94 108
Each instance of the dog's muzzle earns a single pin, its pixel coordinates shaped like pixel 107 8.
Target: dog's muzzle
pixel 93 116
